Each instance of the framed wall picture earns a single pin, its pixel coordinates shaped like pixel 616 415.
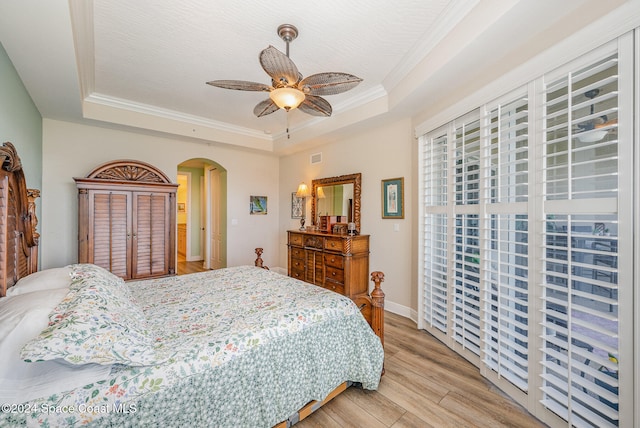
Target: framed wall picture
pixel 182 207
pixel 393 198
pixel 257 205
pixel 297 206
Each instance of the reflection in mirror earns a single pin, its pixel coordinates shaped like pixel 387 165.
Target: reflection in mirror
pixel 336 200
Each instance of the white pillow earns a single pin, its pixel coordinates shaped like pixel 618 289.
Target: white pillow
pixel 47 279
pixel 22 318
pixel 33 308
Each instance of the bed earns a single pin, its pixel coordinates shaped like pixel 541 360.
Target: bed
pixel 242 346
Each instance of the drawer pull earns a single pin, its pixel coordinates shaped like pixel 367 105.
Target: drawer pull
pixel 334 274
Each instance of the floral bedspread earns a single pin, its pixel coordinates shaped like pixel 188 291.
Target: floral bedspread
pixel 239 346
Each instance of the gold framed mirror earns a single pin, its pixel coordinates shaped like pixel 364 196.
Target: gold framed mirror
pixel 336 197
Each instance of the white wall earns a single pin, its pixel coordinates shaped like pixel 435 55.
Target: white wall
pixel 378 153
pixel 73 150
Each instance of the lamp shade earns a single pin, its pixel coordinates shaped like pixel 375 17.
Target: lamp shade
pixel 321 193
pixel 287 98
pixel 303 191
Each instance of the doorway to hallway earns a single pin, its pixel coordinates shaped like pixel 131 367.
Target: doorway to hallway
pixel 201 215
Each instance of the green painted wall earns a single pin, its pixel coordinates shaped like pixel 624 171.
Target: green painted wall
pixel 20 123
pixel 194 215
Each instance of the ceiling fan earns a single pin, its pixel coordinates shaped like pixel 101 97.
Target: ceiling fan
pixel 288 89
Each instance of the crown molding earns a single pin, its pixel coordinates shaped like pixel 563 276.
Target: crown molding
pixel 81 12
pixel 161 113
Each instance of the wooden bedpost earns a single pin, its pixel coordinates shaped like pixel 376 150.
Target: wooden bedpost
pixel 32 195
pixel 259 262
pixel 377 299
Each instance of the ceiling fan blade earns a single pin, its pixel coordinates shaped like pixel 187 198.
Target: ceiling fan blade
pixel 265 107
pixel 328 83
pixel 281 69
pixel 315 106
pixel 241 85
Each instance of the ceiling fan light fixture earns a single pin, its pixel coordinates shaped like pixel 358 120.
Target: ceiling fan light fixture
pixel 289 89
pixel 287 98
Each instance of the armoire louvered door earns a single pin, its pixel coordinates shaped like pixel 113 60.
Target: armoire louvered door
pixel 127 220
pixel 150 234
pixel 109 238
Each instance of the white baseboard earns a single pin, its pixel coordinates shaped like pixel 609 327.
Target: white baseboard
pixel 278 269
pixel 403 311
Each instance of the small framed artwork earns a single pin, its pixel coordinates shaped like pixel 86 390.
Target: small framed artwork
pixel 257 205
pixel 393 198
pixel 181 207
pixel 297 206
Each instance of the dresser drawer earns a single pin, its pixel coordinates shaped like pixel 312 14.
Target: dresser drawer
pixel 297 264
pixel 314 242
pixel 333 244
pixel 334 260
pixel 296 239
pixel 297 253
pixel 297 273
pixel 334 275
pixel 334 286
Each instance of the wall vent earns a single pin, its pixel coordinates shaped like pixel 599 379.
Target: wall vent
pixel 316 158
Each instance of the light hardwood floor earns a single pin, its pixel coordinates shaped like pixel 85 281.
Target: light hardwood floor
pixel 183 267
pixel 425 385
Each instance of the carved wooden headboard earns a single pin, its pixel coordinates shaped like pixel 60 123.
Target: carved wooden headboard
pixel 18 236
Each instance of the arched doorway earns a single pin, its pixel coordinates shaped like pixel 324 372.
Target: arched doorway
pixel 202 215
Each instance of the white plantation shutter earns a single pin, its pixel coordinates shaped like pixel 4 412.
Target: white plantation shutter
pixel 466 282
pixel 506 300
pixel 437 165
pixel 580 256
pixel 527 267
pixel 435 261
pixel 507 168
pixel 467 163
pixel 506 293
pixel 466 234
pixel 435 273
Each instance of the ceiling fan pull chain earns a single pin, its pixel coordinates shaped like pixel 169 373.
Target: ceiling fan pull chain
pixel 288 135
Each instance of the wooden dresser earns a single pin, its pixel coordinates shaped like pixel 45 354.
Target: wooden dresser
pixel 336 262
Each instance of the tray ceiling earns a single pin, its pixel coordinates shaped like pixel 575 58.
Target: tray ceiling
pixel 144 63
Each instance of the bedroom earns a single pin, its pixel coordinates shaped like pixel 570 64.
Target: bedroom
pixel 57 149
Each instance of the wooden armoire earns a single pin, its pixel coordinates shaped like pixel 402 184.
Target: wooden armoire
pixel 127 220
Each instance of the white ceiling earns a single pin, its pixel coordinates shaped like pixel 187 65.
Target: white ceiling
pixel 144 63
